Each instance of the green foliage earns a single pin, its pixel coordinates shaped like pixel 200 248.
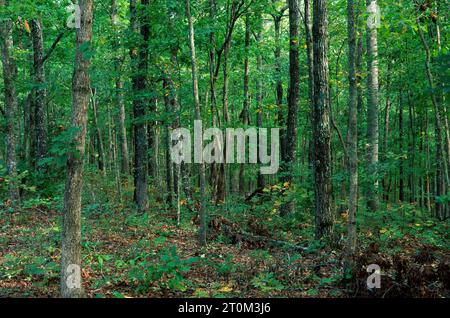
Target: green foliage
pixel 165 270
pixel 267 283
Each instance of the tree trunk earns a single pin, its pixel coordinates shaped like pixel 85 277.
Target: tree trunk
pixel 293 96
pixel 122 130
pixel 401 188
pixel 9 74
pixel 259 96
pixel 139 57
pixel 352 134
pixel 372 114
pixel 40 92
pixel 321 124
pixel 71 237
pixel 202 209
pixel 98 134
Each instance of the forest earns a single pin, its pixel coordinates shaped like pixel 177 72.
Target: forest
pixel 224 149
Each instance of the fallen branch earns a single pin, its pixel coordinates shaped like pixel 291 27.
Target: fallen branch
pixel 242 236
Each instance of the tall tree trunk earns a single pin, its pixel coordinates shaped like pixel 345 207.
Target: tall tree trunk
pixel 139 57
pixel 293 96
pixel 310 61
pixel 71 237
pixel 387 109
pixel 352 133
pixel 174 107
pixel 40 92
pixel 277 18
pixel 9 74
pixel 321 124
pixel 153 141
pixel 167 144
pixel 98 134
pixel 244 116
pixel 372 113
pixel 259 96
pixel 401 188
pixel 122 130
pixel 202 209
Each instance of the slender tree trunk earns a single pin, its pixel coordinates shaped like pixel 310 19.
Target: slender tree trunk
pixel 259 96
pixel 401 188
pixel 277 18
pixel 372 113
pixel 202 210
pixel 71 236
pixel 98 134
pixel 387 110
pixel 167 144
pixel 321 124
pixel 9 74
pixel 122 130
pixel 352 134
pixel 175 108
pixel 293 97
pixel 244 116
pixel 139 57
pixel 40 92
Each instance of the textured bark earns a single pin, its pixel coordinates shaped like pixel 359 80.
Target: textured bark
pixel 401 185
pixel 201 168
pixel 153 142
pixel 71 236
pixel 352 133
pixel 122 130
pixel 244 116
pixel 139 58
pixel 293 96
pixel 321 124
pixel 174 106
pixel 372 115
pixel 259 96
pixel 98 135
pixel 277 18
pixel 310 61
pixel 169 166
pixel 40 92
pixel 385 181
pixel 9 74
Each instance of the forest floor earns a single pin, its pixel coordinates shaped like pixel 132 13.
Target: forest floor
pixel 126 254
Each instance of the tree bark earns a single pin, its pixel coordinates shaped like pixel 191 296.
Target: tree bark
pixel 259 97
pixel 139 57
pixel 352 133
pixel 202 209
pixel 321 124
pixel 40 92
pixel 372 114
pixel 9 74
pixel 122 130
pixel 71 237
pixel 98 134
pixel 293 96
